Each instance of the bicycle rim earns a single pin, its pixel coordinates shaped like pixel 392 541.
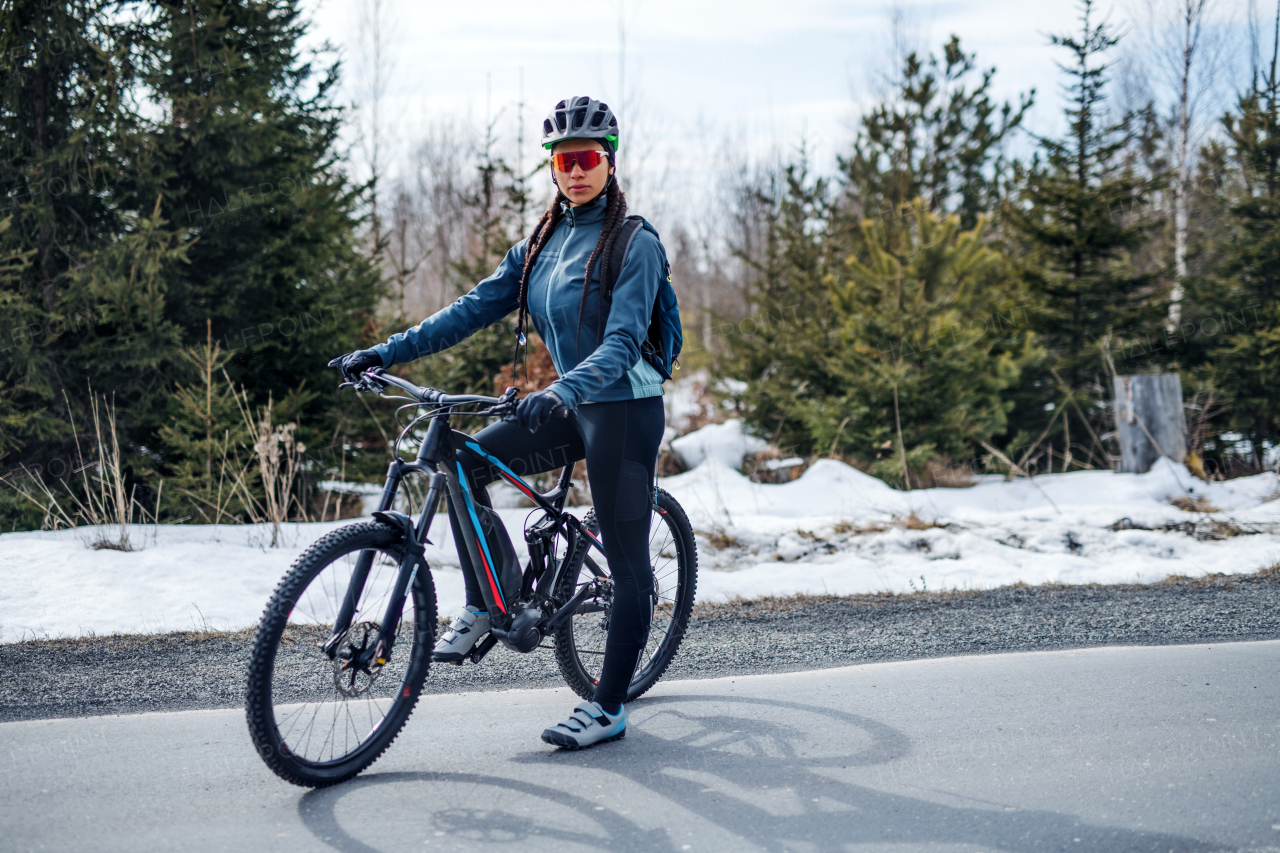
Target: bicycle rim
pixel 330 719
pixel 588 629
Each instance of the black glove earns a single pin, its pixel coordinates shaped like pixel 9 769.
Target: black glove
pixel 353 364
pixel 536 409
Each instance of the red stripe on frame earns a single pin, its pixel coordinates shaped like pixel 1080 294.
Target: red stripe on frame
pixel 516 483
pixel 489 574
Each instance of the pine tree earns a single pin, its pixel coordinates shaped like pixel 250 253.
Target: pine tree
pixel 1082 214
pixel 783 351
pixel 922 382
pixel 244 159
pixel 131 342
pixel 1242 289
pixel 204 441
pixel 939 138
pixel 64 143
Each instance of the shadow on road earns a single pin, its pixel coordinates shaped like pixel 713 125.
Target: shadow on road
pixel 759 771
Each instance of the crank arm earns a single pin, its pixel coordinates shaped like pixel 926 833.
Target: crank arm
pixel 570 608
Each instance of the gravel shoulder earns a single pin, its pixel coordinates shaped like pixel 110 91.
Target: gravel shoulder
pixel 183 671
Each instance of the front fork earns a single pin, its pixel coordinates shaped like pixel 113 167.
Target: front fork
pixel 413 536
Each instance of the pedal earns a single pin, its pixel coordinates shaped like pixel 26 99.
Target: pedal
pixel 482 648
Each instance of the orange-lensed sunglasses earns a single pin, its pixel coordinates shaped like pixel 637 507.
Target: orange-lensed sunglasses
pixel 588 160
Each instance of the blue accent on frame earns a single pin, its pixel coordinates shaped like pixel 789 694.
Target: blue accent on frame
pixel 475 521
pixel 496 461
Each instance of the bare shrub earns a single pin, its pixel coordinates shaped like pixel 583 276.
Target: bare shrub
pixel 107 503
pixel 278 455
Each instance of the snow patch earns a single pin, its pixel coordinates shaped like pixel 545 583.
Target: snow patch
pixel 725 443
pixel 833 530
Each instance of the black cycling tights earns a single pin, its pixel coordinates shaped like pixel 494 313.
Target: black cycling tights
pixel 620 443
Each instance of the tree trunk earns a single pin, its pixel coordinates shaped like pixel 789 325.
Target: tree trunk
pixel 1149 409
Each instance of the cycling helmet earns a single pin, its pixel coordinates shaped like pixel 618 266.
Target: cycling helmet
pixel 581 117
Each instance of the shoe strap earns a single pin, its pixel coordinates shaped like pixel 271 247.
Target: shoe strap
pixel 593 712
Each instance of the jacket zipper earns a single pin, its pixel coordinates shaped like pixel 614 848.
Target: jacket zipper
pixel 554 349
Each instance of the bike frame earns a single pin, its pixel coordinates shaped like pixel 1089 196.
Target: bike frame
pixel 437 457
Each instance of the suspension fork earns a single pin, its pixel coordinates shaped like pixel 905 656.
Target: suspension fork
pixel 364 563
pixel 410 561
pixel 427 453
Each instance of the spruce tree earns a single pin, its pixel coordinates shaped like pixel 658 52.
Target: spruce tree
pixel 205 441
pixel 64 144
pixel 922 382
pixel 1082 214
pixel 1241 293
pixel 938 137
pixel 784 350
pixel 244 159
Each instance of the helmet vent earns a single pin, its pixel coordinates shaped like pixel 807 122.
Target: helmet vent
pixel 580 117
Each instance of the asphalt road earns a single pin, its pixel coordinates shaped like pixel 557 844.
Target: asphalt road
pixel 1175 748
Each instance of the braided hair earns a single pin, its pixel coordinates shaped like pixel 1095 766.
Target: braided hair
pixel 615 214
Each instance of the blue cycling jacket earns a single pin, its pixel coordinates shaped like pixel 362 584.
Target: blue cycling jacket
pixel 588 374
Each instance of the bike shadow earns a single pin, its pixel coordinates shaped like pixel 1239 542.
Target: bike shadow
pixel 487 812
pixel 765 773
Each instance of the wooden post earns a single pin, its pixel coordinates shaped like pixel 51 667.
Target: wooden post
pixel 1150 420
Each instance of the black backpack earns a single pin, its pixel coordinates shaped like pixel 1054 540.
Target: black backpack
pixel 662 348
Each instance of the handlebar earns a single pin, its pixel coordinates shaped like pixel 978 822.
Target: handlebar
pixel 505 403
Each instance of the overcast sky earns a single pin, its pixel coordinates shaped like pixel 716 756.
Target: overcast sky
pixel 765 74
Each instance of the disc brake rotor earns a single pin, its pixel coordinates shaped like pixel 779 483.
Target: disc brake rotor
pixel 350 678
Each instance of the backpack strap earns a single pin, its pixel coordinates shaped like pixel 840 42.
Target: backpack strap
pixel 626 236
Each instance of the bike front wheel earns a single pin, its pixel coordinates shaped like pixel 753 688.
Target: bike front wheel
pixel 314 719
pixel 580 643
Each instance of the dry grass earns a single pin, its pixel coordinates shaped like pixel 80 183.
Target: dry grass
pixel 1212 529
pixel 938 474
pixel 107 505
pixel 1197 504
pixel 845 526
pixel 756 467
pixel 132 642
pixel 719 539
pixel 1272 571
pixel 904 522
pixel 915 522
pixel 279 459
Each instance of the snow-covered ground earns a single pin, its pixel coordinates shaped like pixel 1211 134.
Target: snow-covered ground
pixel 832 530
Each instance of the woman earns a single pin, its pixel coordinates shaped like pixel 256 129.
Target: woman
pixel 554 277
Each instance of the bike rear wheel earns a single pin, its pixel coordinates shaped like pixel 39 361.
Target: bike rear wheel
pixel 313 720
pixel 580 643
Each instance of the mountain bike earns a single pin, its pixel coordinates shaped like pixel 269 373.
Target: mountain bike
pixel 345 643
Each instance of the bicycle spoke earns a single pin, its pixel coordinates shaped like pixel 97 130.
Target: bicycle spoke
pixel 589 631
pixel 313 694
